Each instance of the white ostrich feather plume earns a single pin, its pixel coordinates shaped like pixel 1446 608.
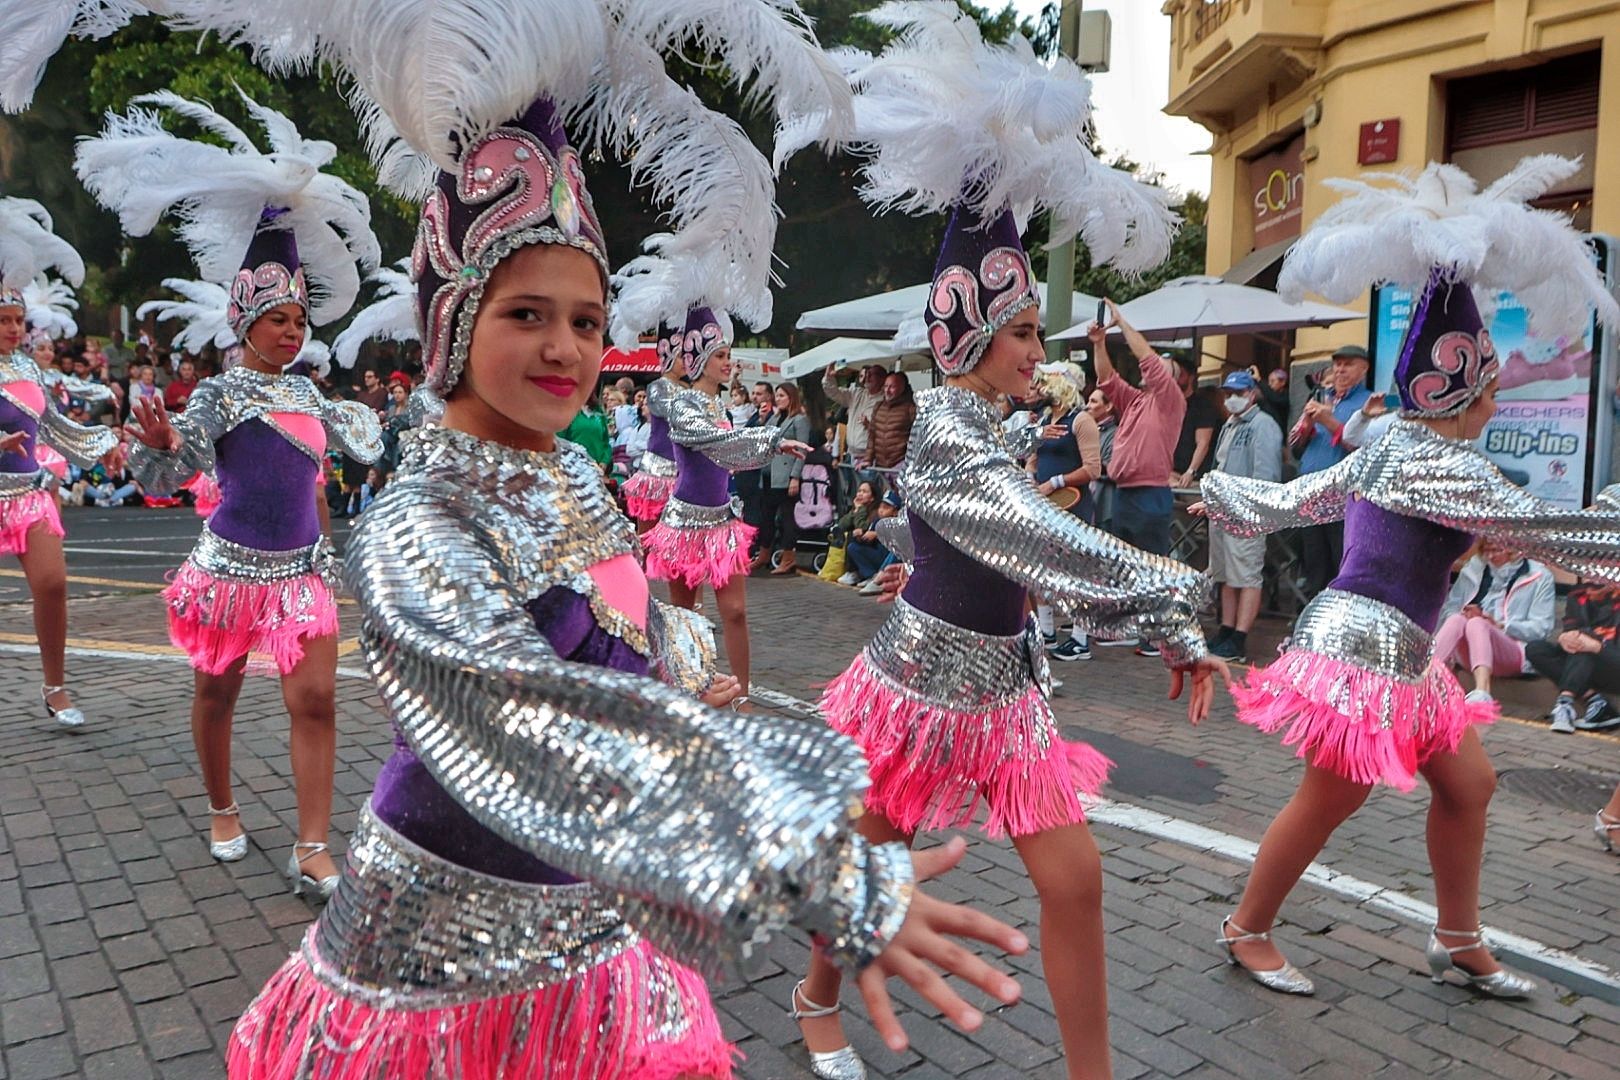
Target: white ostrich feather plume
pixel 944 118
pixel 1398 228
pixel 34 30
pixel 425 75
pixel 28 247
pixel 317 354
pixel 140 170
pixel 391 317
pixel 50 305
pixel 202 311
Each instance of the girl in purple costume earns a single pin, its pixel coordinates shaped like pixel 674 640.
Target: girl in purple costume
pixel 1355 687
pixel 648 491
pixel 30 521
pixel 258 580
pixel 700 539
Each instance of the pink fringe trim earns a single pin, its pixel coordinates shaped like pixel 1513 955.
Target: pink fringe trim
pixel 205 493
pixel 645 495
pixel 217 622
pixel 698 556
pixel 931 767
pixel 1333 712
pixel 603 1025
pixel 19 515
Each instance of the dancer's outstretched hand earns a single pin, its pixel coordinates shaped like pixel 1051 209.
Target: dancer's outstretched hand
pixel 12 442
pixel 1203 686
pixel 155 429
pixel 925 942
pixel 892 580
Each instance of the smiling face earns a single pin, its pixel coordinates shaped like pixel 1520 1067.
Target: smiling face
pixel 13 325
pixel 1008 366
pixel 275 339
pixel 44 352
pixel 536 348
pixel 717 372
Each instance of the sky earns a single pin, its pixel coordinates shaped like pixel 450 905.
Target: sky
pixel 1128 99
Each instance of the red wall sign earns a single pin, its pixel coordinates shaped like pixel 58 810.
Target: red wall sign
pixel 1380 142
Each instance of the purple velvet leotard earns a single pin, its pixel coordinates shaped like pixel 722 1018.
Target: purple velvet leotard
pixel 1399 560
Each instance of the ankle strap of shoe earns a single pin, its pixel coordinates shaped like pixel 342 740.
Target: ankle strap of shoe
pixel 812 1010
pixel 1476 940
pixel 1242 934
pixel 229 810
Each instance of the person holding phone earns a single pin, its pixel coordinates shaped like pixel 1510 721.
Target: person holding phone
pixel 1321 444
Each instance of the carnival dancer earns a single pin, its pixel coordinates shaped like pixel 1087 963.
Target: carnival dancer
pixel 30 520
pixel 701 538
pixel 257 581
pixel 647 492
pixel 1355 688
pixel 950 699
pixel 511 632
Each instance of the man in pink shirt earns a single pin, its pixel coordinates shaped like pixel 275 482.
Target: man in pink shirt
pixel 1150 419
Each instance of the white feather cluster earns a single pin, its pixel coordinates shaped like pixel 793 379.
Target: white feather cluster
pixel 429 73
pixel 140 170
pixel 33 31
pixel 50 305
pixel 202 311
pixel 944 118
pixel 391 317
pixel 28 247
pixel 1397 229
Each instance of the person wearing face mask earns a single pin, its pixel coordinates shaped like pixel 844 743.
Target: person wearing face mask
pixel 1355 687
pixel 260 578
pixel 950 700
pixel 1250 445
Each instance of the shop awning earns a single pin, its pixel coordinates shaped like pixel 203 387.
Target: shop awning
pixel 1257 262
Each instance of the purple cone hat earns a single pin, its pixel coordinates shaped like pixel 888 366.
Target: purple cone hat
pixel 521 184
pixel 982 280
pixel 668 347
pixel 702 337
pixel 271 276
pixel 1447 358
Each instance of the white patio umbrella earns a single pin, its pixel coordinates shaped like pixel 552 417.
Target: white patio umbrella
pixel 841 351
pixel 1200 307
pixel 881 314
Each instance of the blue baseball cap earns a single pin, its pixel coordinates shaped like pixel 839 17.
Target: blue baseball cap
pixel 1239 380
pixel 892 498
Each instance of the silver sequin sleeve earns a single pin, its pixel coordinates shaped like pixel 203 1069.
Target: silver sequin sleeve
pixel 961 481
pixel 660 393
pixel 894 533
pixel 355 429
pixel 1024 442
pixel 1244 506
pixel 694 423
pixel 80 443
pixel 423 407
pixel 682 645
pixel 161 472
pixel 715 829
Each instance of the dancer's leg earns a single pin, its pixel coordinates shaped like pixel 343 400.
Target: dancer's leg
pixel 213 706
pixel 46 572
pixel 732 600
pixel 1324 800
pixel 1066 870
pixel 1460 786
pixel 682 595
pixel 310 692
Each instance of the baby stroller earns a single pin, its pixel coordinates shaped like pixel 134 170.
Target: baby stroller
pixel 815 512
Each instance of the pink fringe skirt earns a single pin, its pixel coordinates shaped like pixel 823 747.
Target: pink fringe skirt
pixel 646 494
pixel 216 621
pixel 698 557
pixel 204 492
pixel 607 1024
pixel 1366 727
pixel 932 767
pixel 20 514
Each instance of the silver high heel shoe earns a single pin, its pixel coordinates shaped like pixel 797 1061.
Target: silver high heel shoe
pixel 1605 827
pixel 1287 979
pixel 68 717
pixel 234 849
pixel 323 887
pixel 841 1064
pixel 1442 963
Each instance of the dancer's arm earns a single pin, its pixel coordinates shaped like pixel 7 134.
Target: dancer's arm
pixel 1244 506
pixel 355 428
pixel 691 425
pixel 717 828
pixel 965 486
pixel 163 470
pixel 682 647
pixel 82 444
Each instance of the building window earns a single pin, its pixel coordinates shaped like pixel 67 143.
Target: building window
pixel 1510 106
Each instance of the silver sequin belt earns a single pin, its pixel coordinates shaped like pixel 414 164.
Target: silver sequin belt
pixel 1362 631
pixel 679 514
pixel 14 485
pixel 956 668
pixel 409 930
pixel 224 559
pixel 656 465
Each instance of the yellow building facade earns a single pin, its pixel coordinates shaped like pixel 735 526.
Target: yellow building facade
pixel 1297 91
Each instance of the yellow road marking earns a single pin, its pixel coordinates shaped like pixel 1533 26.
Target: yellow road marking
pixel 344 647
pixel 118 583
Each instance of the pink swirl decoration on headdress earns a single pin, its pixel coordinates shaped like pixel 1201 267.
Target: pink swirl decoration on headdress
pixel 955 298
pixel 1462 362
pixel 513 162
pixel 699 345
pixel 256 291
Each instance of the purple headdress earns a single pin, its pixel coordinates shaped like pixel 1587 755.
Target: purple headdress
pixel 704 334
pixel 981 282
pixel 271 275
pixel 1456 246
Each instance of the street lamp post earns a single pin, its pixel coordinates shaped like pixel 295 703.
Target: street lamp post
pixel 1060 260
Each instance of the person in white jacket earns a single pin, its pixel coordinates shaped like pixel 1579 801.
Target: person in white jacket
pixel 1499 602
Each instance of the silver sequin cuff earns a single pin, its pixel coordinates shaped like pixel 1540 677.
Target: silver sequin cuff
pixel 81 444
pixel 1244 506
pixel 865 903
pixel 682 644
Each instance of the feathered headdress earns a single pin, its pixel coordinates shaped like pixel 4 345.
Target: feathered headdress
pixel 28 248
pixel 50 305
pixel 599 64
pixel 204 315
pixel 35 30
pixel 277 208
pixel 949 122
pixel 1457 247
pixel 391 317
pixel 705 333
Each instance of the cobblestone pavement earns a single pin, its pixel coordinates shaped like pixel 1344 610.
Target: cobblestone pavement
pixel 125 952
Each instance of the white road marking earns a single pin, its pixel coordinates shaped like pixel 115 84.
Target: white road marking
pixel 151 553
